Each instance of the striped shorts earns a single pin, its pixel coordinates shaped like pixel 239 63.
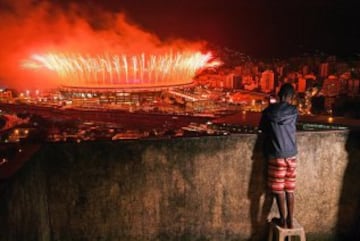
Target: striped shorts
pixel 282 174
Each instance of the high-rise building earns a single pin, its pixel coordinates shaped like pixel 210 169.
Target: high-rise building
pixel 305 70
pixel 280 70
pixel 267 81
pixel 353 87
pixel 228 81
pixel 331 86
pixel 324 70
pixel 237 82
pixel 301 85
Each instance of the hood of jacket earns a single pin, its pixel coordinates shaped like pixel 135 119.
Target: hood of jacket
pixel 281 113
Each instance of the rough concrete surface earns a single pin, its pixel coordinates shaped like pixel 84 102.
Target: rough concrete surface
pixel 208 188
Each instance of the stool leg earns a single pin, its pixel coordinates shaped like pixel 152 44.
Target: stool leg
pixel 271 232
pixel 302 236
pixel 281 236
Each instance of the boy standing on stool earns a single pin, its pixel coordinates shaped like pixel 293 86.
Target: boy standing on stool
pixel 278 123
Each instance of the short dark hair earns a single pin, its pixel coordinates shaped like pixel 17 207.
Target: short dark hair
pixel 287 91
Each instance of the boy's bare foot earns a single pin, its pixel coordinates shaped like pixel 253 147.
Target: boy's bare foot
pixel 289 223
pixel 279 221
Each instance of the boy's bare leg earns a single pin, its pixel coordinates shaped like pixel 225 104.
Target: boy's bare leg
pixel 290 201
pixel 280 201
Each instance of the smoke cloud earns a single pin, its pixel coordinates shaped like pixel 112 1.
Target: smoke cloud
pixel 37 27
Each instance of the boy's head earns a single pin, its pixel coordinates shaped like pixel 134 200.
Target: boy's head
pixel 286 93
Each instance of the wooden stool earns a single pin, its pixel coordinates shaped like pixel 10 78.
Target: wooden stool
pixel 281 233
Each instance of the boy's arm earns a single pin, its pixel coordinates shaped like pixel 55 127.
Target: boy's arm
pixel 262 124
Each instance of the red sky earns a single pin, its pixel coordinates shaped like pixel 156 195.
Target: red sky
pixel 260 28
pixel 39 27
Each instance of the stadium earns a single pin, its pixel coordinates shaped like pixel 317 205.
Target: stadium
pixel 122 78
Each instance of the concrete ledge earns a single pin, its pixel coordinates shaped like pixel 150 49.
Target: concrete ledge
pixel 210 188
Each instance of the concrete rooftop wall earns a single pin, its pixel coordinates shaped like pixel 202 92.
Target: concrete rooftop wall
pixel 209 188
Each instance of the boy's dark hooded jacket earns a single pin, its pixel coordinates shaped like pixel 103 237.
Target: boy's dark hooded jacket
pixel 278 123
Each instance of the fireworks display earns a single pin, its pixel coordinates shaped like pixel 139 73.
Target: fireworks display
pixel 122 70
pixel 48 45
